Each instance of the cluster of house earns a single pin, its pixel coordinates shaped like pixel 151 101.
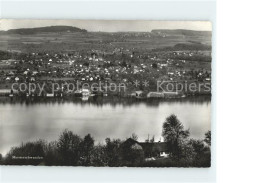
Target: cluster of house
pixel 117 67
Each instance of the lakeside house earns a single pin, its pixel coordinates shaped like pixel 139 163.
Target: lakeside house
pixel 85 92
pixel 82 93
pixel 151 150
pixel 139 94
pixel 164 95
pixel 5 92
pixel 155 95
pixel 49 94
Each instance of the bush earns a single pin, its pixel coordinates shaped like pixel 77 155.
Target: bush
pixel 30 153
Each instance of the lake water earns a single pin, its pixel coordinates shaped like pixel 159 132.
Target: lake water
pixel 23 120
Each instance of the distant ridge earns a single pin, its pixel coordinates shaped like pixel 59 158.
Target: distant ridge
pixel 35 30
pixel 45 29
pixel 184 32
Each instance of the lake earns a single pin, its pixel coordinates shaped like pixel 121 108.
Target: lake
pixel 29 120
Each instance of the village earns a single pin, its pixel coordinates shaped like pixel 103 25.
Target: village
pixel 138 72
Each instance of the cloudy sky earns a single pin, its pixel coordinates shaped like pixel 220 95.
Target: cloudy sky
pixel 108 25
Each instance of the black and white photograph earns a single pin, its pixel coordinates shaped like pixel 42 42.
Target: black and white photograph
pixel 105 93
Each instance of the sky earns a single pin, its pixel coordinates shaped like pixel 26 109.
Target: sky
pixel 108 25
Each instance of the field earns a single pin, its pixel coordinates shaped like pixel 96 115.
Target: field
pixel 60 41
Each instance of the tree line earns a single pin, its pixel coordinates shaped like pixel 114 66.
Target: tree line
pixel 72 150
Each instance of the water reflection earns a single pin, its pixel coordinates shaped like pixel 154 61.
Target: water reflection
pixel 100 101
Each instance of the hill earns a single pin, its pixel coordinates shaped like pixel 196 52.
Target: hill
pixel 44 29
pixel 182 32
pixel 60 38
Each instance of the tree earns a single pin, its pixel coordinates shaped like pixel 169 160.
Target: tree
pixel 175 136
pixel 208 138
pixel 152 140
pixel 51 154
pixel 86 64
pixel 99 155
pixel 124 64
pixel 69 148
pixel 134 136
pixel 202 153
pixel 154 65
pixel 86 147
pixel 112 152
pixel 1 157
